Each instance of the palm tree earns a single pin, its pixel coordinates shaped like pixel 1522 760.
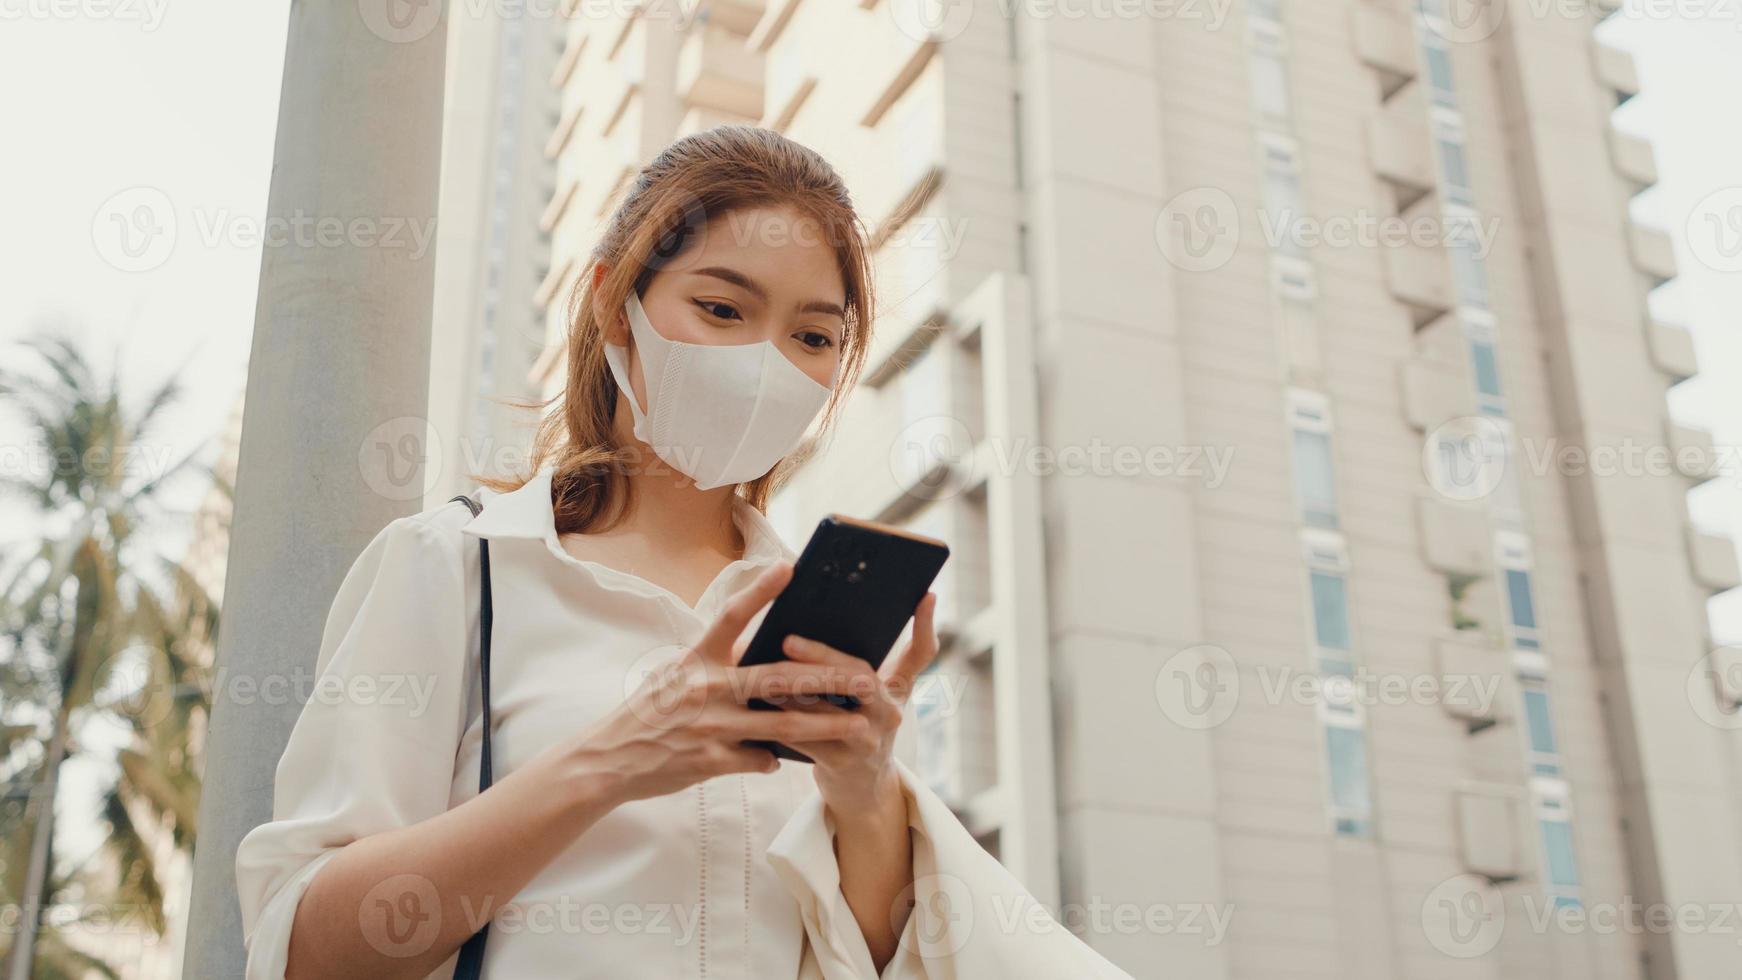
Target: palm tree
pixel 101 630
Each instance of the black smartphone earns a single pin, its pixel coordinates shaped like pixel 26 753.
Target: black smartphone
pixel 854 587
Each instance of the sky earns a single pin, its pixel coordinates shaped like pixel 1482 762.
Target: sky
pixel 173 103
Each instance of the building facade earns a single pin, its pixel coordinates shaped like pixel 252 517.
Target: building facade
pixel 492 249
pixel 1256 360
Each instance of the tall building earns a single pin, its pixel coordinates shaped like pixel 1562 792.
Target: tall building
pixel 1286 380
pixel 491 243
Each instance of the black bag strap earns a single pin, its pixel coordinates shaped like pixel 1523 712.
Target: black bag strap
pixel 471 962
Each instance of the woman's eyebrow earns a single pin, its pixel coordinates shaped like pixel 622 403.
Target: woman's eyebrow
pixel 755 289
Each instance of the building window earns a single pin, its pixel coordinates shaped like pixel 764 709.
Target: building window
pixel 1269 83
pixel 1313 478
pixel 1314 474
pixel 1351 802
pixel 1560 866
pixel 1521 609
pixel 1486 367
pixel 1539 730
pixel 1283 204
pixel 1468 275
pixel 939 761
pixel 1448 130
pixel 1439 74
pixel 1330 610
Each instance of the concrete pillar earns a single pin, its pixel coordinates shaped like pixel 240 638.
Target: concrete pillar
pixel 334 426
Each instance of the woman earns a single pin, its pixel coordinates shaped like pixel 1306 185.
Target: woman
pixel 629 832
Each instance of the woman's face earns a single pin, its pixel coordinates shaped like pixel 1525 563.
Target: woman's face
pixel 754 275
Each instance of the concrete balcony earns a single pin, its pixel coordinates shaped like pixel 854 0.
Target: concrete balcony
pixel 1384 42
pixel 738 16
pixel 1695 456
pixel 1727 676
pixel 1397 149
pixel 1615 69
pixel 1672 350
pixel 1713 558
pixel 1420 279
pixel 790 82
pixel 1488 822
pixel 1653 253
pixel 717 70
pixel 564 131
pixel 1433 392
pixel 1467 666
pixel 1455 539
pixel 1633 158
pixel 559 204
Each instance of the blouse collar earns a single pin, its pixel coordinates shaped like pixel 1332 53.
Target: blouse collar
pixel 526 512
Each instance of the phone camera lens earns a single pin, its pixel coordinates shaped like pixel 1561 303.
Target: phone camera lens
pixel 854 576
pixel 827 568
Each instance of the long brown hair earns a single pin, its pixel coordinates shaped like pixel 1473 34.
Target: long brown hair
pixel 705 175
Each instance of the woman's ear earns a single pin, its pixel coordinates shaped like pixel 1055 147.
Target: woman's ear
pixel 611 320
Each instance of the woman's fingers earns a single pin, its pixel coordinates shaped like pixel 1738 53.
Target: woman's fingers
pixel 900 671
pixel 870 690
pixel 718 643
pixel 794 726
pixel 792 681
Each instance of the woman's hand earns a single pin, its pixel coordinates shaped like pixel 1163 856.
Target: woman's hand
pixel 857 773
pixel 687 721
pixel 858 782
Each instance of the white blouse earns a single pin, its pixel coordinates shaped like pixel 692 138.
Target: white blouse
pixel 731 879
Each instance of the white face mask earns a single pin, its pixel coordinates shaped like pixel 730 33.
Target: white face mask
pixel 719 414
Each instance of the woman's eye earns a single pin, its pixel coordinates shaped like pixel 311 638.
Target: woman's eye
pixel 823 340
pixel 715 308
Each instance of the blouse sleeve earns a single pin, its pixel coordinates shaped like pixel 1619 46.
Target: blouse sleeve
pixel 956 885
pixel 374 746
